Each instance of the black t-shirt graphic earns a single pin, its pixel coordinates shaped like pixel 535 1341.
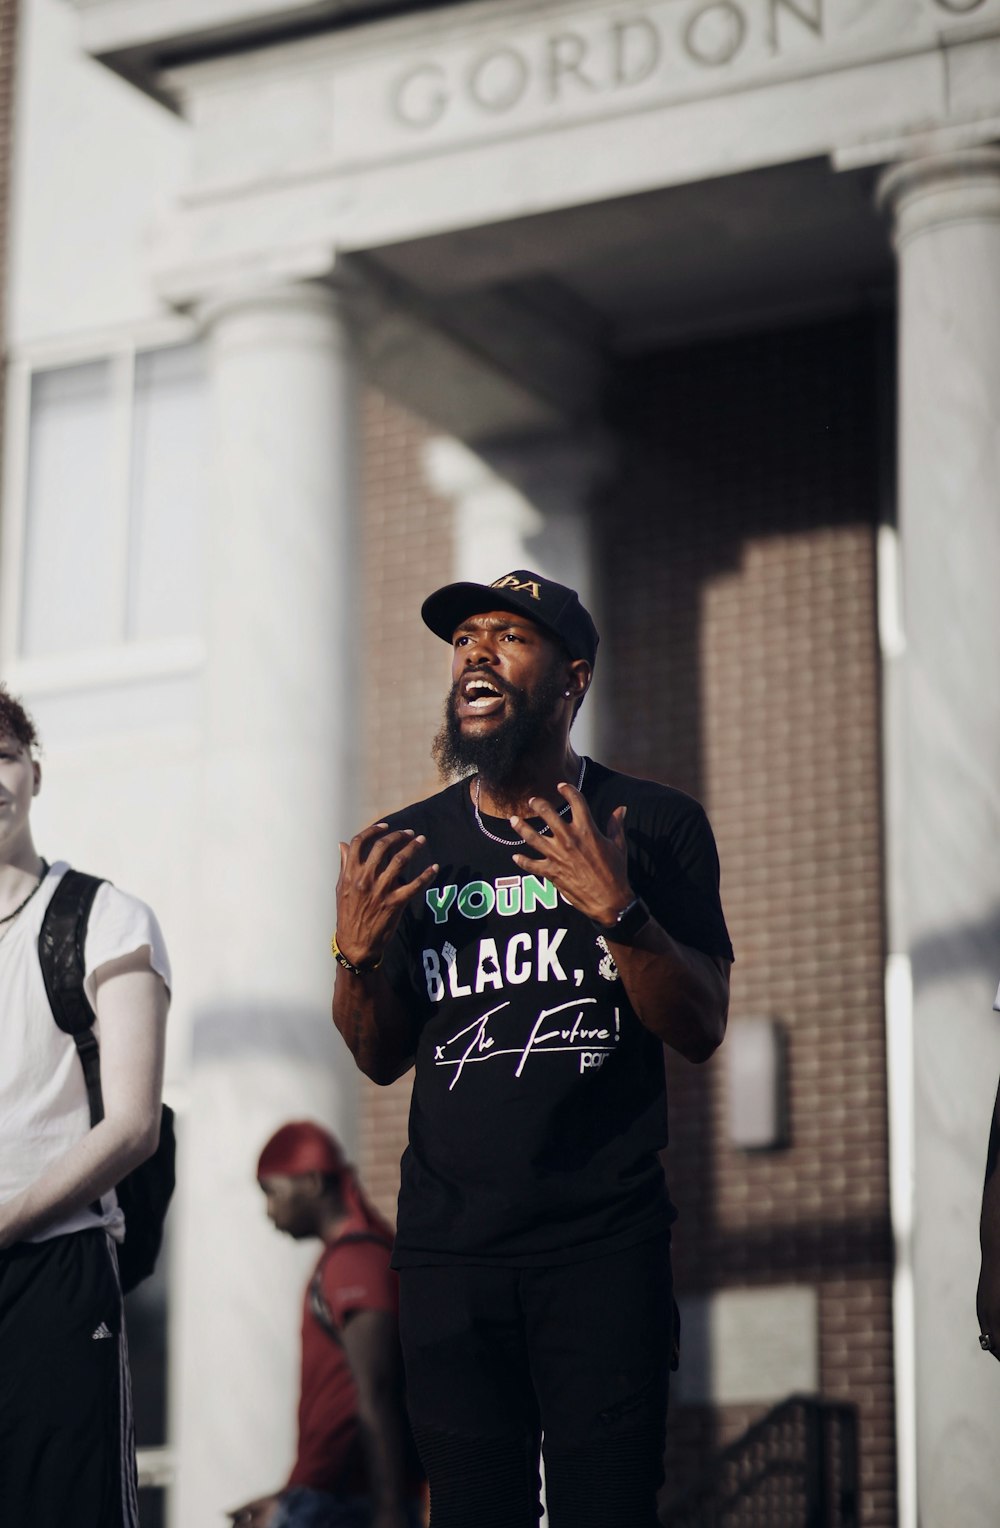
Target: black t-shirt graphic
pixel 539 1102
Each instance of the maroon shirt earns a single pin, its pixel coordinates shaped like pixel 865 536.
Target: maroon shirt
pixel 350 1276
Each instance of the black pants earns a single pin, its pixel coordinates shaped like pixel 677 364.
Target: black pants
pixel 67 1457
pixel 573 1359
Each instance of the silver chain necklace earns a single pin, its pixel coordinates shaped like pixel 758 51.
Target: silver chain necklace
pixel 510 842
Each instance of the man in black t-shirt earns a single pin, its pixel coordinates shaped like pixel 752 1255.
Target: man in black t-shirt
pixel 568 925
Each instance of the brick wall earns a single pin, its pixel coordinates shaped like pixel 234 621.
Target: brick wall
pixel 407 552
pixel 8 53
pixel 740 600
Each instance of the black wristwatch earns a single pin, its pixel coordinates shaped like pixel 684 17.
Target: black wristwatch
pixel 629 921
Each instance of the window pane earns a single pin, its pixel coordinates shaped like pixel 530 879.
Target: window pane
pixel 168 494
pixel 71 567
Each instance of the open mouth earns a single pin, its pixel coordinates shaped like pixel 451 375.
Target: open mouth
pixel 479 696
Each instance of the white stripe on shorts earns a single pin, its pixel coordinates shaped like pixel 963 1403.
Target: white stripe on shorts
pixel 126 1421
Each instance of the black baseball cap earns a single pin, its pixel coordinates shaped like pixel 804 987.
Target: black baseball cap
pixel 550 605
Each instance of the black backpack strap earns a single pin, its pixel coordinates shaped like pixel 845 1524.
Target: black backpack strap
pixel 318 1304
pixel 61 956
pixel 319 1307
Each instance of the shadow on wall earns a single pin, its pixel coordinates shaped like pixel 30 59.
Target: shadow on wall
pixel 967 950
pixel 738 557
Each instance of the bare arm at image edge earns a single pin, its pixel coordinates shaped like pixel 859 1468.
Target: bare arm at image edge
pixel 988 1293
pixel 371 1343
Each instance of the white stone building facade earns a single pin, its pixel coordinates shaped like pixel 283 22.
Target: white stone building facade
pixel 227 216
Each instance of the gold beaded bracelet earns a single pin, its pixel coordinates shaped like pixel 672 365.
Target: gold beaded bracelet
pixel 348 965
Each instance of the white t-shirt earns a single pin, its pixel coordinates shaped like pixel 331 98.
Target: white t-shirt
pixel 43 1097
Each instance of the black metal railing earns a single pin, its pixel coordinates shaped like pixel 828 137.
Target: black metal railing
pixel 795 1468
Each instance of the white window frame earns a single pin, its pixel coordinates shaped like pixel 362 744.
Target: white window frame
pixel 156 1467
pixel 127 659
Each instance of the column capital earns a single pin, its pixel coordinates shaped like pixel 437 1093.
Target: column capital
pixel 941 189
pixel 311 296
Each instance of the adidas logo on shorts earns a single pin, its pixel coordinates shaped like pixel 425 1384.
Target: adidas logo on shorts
pixel 102 1331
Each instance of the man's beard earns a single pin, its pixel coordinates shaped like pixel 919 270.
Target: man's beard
pixel 503 756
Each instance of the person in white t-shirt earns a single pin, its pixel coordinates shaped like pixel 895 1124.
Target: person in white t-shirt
pixel 67 1453
pixel 988 1293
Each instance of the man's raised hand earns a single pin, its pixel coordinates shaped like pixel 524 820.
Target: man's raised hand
pixel 589 868
pixel 374 886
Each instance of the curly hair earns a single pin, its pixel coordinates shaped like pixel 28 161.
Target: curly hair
pixel 15 721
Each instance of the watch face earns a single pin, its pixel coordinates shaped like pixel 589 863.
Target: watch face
pixel 641 916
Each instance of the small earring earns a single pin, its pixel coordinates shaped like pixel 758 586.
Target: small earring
pixel 566 693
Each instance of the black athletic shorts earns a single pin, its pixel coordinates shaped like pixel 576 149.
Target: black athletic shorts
pixel 573 1359
pixel 67 1453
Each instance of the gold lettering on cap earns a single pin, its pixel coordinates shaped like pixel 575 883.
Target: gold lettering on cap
pixel 510 582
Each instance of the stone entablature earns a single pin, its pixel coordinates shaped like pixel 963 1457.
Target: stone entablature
pixel 511 73
pixel 474 113
pixel 387 92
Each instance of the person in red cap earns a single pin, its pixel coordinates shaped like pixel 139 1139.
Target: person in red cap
pixel 529 937
pixel 355 1466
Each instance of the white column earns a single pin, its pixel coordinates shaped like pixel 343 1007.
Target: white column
pixel 281 737
pixel 947 231
pixel 494 525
